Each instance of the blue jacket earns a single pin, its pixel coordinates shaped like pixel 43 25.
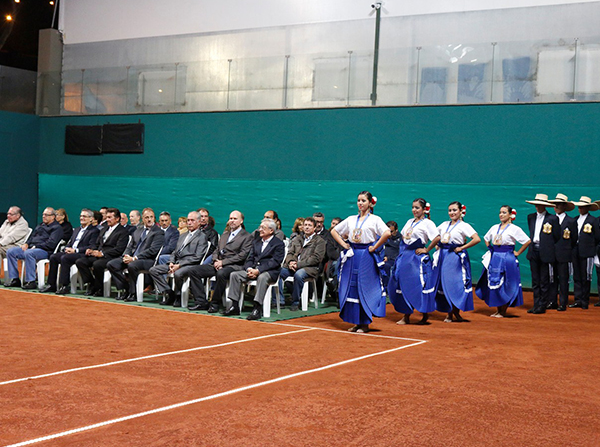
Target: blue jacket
pixel 46 237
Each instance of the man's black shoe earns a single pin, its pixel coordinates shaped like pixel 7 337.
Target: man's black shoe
pixel 30 285
pixel 64 290
pixel 212 309
pixel 15 282
pixel 256 312
pixel 48 289
pixel 199 306
pixel 233 310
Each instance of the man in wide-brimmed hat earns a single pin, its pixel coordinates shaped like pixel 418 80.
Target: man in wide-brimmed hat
pixel 544 231
pixel 588 236
pixel 564 252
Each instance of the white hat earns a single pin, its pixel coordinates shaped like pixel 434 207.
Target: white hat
pixel 561 198
pixel 586 201
pixel 540 199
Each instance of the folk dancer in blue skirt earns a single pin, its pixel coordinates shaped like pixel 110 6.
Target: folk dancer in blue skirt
pixel 451 260
pixel 360 287
pixel 500 282
pixel 412 283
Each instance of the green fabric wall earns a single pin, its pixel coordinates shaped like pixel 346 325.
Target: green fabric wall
pixel 19 142
pixel 300 161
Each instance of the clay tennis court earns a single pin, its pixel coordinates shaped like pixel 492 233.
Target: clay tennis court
pixel 184 379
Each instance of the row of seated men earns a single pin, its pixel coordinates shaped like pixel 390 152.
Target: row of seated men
pixel 199 254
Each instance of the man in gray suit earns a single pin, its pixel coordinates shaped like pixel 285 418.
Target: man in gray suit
pixel 191 250
pixel 234 247
pixel 139 256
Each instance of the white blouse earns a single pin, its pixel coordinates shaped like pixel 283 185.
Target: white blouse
pixel 425 230
pixel 508 236
pixel 365 232
pixel 459 232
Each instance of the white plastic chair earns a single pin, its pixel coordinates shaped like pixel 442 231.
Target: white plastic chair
pixel 139 284
pixel 41 266
pixel 304 298
pixel 268 296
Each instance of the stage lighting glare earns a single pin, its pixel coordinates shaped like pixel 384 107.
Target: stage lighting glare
pixel 8 18
pixel 52 3
pixel 17 1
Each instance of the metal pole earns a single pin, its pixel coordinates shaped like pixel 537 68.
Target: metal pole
pixel 377 7
pixel 418 73
pixel 228 81
pixel 127 89
pixel 285 80
pixel 575 69
pixel 175 92
pixel 492 74
pixel 82 100
pixel 349 77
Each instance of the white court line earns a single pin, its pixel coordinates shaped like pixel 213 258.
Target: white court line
pixel 153 356
pixel 343 332
pixel 203 399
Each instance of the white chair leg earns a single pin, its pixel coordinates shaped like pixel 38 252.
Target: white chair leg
pixel 304 299
pixel 139 288
pixel 5 268
pixel 267 300
pixel 41 272
pixel 75 278
pixel 22 270
pixel 106 284
pixel 185 293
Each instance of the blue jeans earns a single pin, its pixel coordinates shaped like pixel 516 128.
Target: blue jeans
pixel 163 259
pixel 31 257
pixel 299 278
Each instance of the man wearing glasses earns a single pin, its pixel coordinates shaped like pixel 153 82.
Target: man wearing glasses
pixel 81 239
pixel 40 245
pixel 13 231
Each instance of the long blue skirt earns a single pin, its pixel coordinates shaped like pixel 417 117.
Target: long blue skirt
pixel 360 289
pixel 500 283
pixel 413 282
pixel 455 281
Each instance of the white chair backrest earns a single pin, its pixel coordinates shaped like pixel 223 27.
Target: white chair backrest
pixel 205 253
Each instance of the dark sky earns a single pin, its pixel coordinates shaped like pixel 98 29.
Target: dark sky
pixel 19 39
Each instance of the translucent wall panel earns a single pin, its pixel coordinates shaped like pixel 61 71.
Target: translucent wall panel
pixel 17 90
pixel 435 59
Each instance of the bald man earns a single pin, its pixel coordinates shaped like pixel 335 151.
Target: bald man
pixel 234 247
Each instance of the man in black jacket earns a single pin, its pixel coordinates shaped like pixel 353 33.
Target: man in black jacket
pixel 588 236
pixel 111 243
pixel 81 239
pixel 40 245
pixel 564 253
pixel 544 231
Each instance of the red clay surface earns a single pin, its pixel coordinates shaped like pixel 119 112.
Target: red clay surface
pixel 531 380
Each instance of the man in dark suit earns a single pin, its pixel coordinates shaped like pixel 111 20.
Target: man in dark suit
pixel 171 237
pixel 111 243
pixel 81 239
pixel 39 245
pixel 125 224
pixel 588 236
pixel 544 231
pixel 263 265
pixel 303 260
pixel 139 256
pixel 190 251
pixel 564 252
pixel 230 256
